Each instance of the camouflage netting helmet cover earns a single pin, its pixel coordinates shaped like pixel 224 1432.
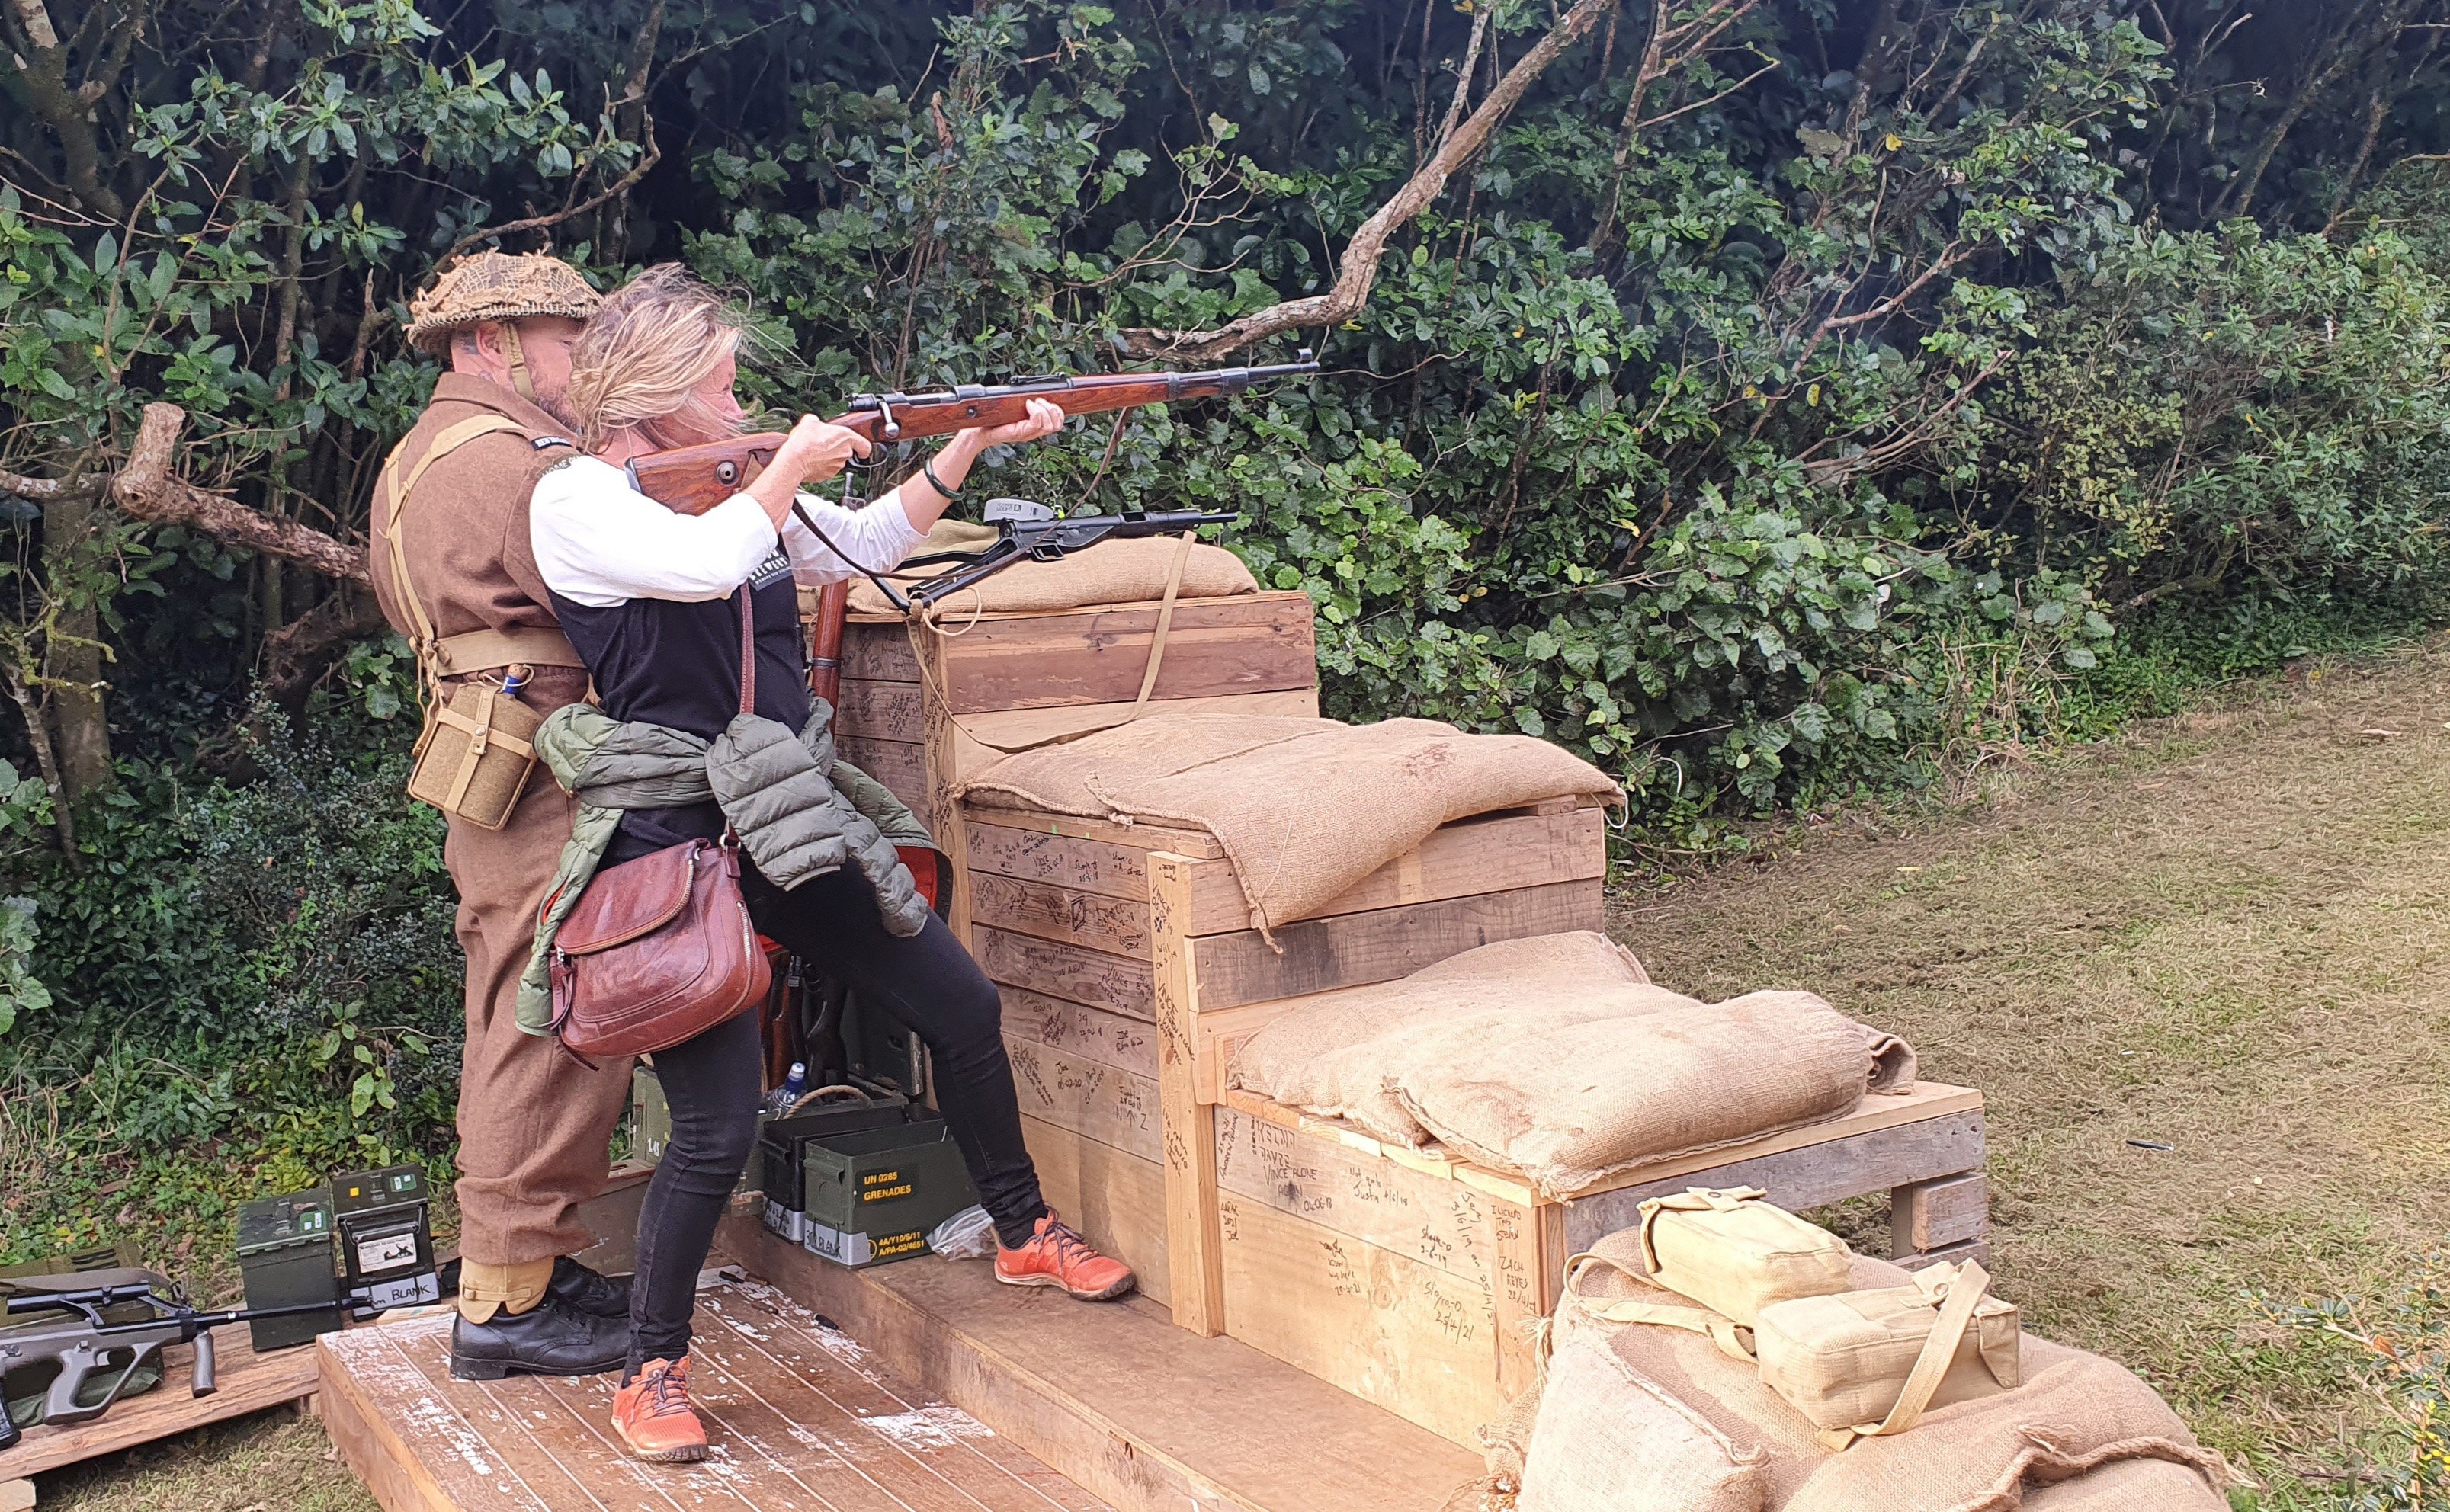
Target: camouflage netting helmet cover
pixel 497 287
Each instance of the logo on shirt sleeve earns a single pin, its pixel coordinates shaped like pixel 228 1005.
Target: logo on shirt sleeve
pixel 771 570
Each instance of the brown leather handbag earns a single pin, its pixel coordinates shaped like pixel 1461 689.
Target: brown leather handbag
pixel 658 950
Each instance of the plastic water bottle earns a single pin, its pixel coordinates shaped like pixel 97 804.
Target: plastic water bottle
pixel 779 1102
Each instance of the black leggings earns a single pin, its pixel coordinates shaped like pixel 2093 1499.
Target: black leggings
pixel 711 1084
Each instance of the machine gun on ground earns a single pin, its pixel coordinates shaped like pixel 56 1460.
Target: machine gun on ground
pixel 85 1342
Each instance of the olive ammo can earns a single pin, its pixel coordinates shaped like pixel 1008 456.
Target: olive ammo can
pixel 285 1258
pixel 871 1195
pixel 780 1141
pixel 386 1247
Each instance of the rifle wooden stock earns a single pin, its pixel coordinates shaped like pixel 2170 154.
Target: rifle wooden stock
pixel 693 479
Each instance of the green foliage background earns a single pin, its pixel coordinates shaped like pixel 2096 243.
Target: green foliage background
pixel 1879 389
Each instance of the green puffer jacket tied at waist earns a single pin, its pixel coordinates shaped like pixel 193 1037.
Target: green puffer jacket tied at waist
pixel 799 812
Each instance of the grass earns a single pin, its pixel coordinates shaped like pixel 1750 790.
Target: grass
pixel 274 1462
pixel 2226 932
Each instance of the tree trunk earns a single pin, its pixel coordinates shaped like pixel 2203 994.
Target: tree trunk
pixel 74 650
pixel 47 765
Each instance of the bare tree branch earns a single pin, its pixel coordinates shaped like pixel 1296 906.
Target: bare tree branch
pixel 537 223
pixel 24 486
pixel 1359 268
pixel 297 653
pixel 146 489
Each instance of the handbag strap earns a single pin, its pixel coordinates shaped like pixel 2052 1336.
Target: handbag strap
pixel 747 652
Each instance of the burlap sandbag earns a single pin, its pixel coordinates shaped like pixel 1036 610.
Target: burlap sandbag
pixel 2076 1419
pixel 1305 807
pixel 1339 1052
pixel 1571 1098
pixel 1113 571
pixel 1609 1441
pixel 2130 1485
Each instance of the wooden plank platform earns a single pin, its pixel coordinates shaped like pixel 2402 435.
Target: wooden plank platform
pixel 249 1383
pixel 803 1420
pixel 1147 1415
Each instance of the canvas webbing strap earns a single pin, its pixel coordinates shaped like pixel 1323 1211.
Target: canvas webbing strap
pixel 1965 1291
pixel 471 650
pixel 483 735
pixel 480 650
pixel 1719 1328
pixel 517 356
pixel 927 617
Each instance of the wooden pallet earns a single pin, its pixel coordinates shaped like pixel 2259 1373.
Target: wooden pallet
pixel 802 1419
pixel 1415 1281
pixel 1149 1416
pixel 249 1383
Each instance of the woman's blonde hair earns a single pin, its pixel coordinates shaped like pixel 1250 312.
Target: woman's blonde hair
pixel 643 353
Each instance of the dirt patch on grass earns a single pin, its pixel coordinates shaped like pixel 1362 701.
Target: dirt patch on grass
pixel 2226 935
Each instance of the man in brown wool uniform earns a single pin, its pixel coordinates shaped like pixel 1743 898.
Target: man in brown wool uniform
pixel 455 573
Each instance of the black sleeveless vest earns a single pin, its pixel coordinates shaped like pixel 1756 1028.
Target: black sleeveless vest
pixel 662 662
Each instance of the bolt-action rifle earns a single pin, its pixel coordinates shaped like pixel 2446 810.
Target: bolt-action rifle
pixel 85 1343
pixel 692 479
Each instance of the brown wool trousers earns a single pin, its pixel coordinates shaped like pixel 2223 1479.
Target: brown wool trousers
pixel 535 1124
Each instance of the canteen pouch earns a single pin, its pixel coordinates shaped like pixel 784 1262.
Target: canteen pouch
pixel 476 755
pixel 1853 1363
pixel 1736 1254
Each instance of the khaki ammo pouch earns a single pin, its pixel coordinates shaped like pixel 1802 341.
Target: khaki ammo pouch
pixel 1866 1363
pixel 1735 1254
pixel 477 750
pixel 1855 1365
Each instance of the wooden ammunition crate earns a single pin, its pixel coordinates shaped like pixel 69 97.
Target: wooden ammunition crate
pixel 1129 975
pixel 1413 1281
pixel 922 707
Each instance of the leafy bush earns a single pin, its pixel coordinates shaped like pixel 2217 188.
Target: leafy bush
pixel 2399 1348
pixel 235 955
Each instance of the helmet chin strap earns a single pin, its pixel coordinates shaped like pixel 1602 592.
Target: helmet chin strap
pixel 517 358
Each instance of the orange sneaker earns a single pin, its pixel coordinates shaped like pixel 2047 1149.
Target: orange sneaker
pixel 1056 1256
pixel 653 1415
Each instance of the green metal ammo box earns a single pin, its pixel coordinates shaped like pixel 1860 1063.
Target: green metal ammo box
pixel 650 1118
pixel 284 1256
pixel 386 1247
pixel 780 1141
pixel 872 1195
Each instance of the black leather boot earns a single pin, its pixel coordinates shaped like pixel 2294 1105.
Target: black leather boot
pixel 588 1290
pixel 551 1338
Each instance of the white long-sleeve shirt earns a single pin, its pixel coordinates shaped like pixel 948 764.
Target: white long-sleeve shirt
pixel 600 542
